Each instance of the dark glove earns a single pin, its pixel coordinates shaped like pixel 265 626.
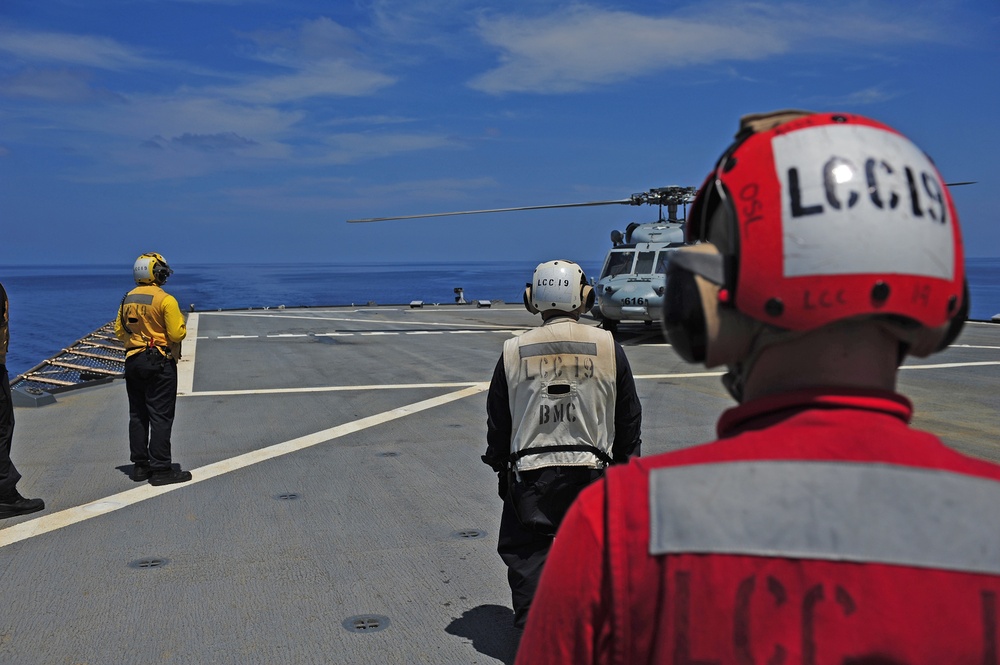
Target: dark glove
pixel 502 484
pixel 495 463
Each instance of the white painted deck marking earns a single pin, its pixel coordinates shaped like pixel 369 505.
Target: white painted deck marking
pixel 370 333
pixel 185 366
pixel 459 384
pixel 70 516
pixel 952 365
pixel 355 320
pixel 55 521
pixel 331 389
pixel 696 375
pixel 953 346
pixel 681 375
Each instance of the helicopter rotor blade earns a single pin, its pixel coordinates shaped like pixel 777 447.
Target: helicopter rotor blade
pixel 672 195
pixel 958 184
pixel 478 212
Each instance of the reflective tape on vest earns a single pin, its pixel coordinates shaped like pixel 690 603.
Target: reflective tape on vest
pixel 840 511
pixel 558 348
pixel 139 299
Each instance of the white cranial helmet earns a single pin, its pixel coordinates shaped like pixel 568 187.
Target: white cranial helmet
pixel 558 285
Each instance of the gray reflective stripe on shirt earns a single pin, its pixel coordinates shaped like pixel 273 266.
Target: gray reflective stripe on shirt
pixel 556 348
pixel 139 299
pixel 836 511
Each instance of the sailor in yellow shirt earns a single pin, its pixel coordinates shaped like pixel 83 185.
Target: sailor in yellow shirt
pixel 151 326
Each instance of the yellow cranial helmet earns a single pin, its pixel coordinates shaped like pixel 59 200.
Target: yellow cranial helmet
pixel 151 268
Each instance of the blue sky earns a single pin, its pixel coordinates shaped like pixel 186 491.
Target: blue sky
pixel 250 130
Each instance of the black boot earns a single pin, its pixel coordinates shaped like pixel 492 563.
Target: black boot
pixel 14 504
pixel 169 477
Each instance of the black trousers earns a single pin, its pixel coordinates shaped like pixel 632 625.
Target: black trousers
pixel 8 473
pixel 533 509
pixel 151 382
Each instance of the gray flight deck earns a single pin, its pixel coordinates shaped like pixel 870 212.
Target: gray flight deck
pixel 339 511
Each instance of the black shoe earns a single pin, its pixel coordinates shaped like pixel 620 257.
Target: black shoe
pixel 140 472
pixel 14 504
pixel 169 477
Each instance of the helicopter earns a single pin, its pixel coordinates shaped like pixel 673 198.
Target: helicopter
pixel 633 278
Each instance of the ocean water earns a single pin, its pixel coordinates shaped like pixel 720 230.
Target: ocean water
pixel 53 306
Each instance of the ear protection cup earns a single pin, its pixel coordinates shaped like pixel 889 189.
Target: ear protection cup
pixel 684 314
pixel 587 296
pixel 958 320
pixel 921 341
pixel 527 299
pixel 698 316
pixel 160 272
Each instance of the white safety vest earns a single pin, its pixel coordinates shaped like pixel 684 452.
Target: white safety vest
pixel 561 380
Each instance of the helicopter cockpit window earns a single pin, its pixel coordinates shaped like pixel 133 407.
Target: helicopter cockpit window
pixel 644 264
pixel 618 263
pixel 662 261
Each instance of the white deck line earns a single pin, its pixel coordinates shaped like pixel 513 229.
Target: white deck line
pixel 951 365
pixel 458 384
pixel 464 324
pixel 328 389
pixel 185 366
pixel 70 516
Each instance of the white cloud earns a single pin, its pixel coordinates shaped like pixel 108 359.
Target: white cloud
pixel 354 147
pixel 436 189
pixel 69 49
pixel 54 85
pixel 440 24
pixel 319 39
pixel 584 46
pixel 172 116
pixel 326 78
pixel 872 95
pixel 338 194
pixel 320 58
pixel 219 142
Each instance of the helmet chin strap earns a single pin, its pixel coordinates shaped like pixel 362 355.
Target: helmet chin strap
pixel 733 380
pixel 859 352
pixel 764 337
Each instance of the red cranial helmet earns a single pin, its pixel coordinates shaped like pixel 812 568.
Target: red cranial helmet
pixel 814 218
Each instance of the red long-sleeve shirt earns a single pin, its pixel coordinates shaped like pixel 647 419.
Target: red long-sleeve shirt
pixel 819 528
